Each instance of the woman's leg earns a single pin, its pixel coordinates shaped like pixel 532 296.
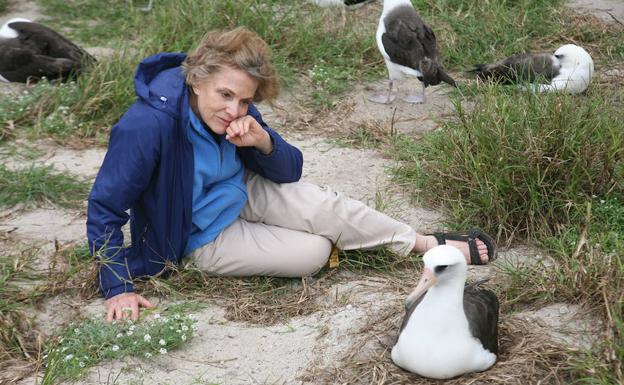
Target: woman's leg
pixel 301 206
pixel 245 249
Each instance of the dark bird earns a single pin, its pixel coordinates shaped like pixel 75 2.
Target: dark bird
pixel 31 51
pixel 569 69
pixel 449 328
pixel 345 3
pixel 408 47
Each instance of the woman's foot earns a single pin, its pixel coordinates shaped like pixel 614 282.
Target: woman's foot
pixel 426 242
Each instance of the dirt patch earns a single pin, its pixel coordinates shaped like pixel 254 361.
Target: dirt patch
pixel 609 11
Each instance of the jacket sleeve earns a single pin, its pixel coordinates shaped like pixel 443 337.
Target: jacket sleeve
pixel 133 154
pixel 283 165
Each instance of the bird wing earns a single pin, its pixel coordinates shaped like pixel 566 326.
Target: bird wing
pixel 527 67
pixel 481 309
pixel 404 35
pixel 46 41
pixel 13 58
pixel 21 65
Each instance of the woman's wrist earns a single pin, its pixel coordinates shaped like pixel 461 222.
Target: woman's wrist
pixel 266 145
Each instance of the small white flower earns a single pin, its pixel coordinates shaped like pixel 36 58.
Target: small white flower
pixel 131 328
pixel 81 364
pixel 183 337
pixel 177 316
pixel 64 348
pixel 163 351
pixel 77 331
pixel 147 338
pixel 184 328
pixel 129 333
pixel 157 315
pixel 162 342
pixel 115 348
pixel 68 357
pixel 178 331
pixel 119 335
pixel 148 355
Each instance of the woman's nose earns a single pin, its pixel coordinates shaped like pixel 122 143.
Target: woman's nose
pixel 233 109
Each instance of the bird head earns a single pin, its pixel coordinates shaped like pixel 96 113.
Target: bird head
pixel 572 56
pixel 443 264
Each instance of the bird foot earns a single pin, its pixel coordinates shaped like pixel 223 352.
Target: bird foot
pixel 382 99
pixel 415 99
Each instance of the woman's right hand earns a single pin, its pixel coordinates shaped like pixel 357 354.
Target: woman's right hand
pixel 125 305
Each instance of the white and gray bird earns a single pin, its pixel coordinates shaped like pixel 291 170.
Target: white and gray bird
pixel 30 51
pixel 449 328
pixel 409 48
pixel 570 69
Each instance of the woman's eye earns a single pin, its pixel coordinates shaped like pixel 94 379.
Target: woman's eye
pixel 225 95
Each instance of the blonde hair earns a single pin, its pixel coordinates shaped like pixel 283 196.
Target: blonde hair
pixel 239 49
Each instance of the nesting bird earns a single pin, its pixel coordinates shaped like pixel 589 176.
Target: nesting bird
pixel 408 47
pixel 334 3
pixel 449 329
pixel 31 51
pixel 569 69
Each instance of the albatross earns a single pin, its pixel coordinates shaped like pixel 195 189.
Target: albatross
pixel 569 69
pixel 31 51
pixel 449 328
pixel 408 47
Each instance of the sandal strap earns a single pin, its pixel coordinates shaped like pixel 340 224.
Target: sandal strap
pixel 469 237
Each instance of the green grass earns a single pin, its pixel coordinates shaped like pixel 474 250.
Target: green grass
pixel 470 32
pixel 520 164
pixel 83 345
pixel 40 185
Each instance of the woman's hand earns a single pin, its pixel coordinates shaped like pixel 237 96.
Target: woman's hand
pixel 125 305
pixel 247 132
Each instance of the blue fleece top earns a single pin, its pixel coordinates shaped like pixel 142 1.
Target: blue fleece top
pixel 219 191
pixel 149 169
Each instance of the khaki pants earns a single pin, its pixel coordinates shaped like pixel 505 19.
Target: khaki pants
pixel 287 230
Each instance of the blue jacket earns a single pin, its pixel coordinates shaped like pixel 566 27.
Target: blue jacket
pixel 148 169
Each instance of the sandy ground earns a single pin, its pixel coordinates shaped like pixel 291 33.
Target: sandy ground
pixel 241 353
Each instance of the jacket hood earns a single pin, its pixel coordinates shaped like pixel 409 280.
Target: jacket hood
pixel 159 82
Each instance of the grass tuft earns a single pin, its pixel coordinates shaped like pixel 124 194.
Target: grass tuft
pixel 38 185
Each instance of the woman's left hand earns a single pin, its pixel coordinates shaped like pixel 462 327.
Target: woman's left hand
pixel 247 132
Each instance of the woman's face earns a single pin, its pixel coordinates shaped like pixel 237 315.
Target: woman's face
pixel 224 97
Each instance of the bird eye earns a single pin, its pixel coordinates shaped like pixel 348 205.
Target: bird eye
pixel 559 56
pixel 441 268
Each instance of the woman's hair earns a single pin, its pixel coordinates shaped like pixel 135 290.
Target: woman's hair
pixel 239 49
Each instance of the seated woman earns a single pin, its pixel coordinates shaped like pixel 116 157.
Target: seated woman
pixel 204 177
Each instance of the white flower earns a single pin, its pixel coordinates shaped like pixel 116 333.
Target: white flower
pixel 119 335
pixel 81 364
pixel 64 348
pixel 131 328
pixel 162 342
pixel 157 315
pixel 178 331
pixel 177 316
pixel 183 337
pixel 163 351
pixel 184 328
pixel 77 331
pixel 68 357
pixel 147 338
pixel 129 333
pixel 115 348
pixel 148 355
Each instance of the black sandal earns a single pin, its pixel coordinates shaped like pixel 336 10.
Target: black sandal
pixel 470 236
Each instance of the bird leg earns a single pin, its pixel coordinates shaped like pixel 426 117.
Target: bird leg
pixel 383 99
pixel 416 98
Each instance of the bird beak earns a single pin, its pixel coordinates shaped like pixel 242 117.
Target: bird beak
pixel 427 279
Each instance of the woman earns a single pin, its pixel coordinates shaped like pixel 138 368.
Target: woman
pixel 206 178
